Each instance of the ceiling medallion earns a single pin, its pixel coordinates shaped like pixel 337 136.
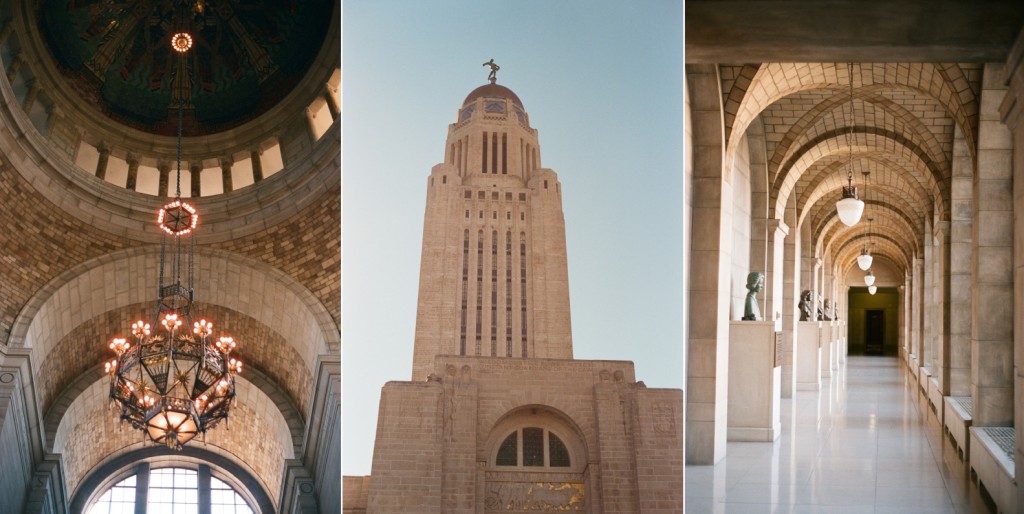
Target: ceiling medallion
pixel 181 42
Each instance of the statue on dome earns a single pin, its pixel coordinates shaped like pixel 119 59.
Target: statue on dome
pixel 751 311
pixel 494 70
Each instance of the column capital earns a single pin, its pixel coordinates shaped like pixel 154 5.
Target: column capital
pixel 777 224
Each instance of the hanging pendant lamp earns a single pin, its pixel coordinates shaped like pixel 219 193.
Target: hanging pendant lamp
pixel 872 289
pixel 864 259
pixel 869 279
pixel 850 207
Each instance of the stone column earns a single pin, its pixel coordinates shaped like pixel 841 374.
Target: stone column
pixel 916 283
pixel 257 166
pixel 133 172
pixel 710 259
pixel 101 163
pixel 225 174
pixel 790 298
pixel 195 171
pixel 992 324
pixel 774 304
pixel 941 362
pixel 819 282
pixel 927 345
pixel 959 282
pixel 1012 111
pixel 904 338
pixel 165 178
pixel 332 104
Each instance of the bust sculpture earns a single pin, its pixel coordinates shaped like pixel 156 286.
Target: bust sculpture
pixel 829 313
pixel 806 303
pixel 751 311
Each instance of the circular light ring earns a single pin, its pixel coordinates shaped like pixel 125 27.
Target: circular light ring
pixel 177 218
pixel 181 42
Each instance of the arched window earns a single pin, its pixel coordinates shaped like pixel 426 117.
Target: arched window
pixel 171 491
pixel 532 447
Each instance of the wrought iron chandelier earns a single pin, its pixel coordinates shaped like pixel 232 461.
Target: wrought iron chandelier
pixel 850 207
pixel 172 378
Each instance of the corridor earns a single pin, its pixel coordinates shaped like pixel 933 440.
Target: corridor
pixel 860 445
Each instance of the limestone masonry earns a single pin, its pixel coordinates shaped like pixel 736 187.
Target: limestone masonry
pixel 498 417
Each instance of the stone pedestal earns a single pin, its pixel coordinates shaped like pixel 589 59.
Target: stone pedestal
pixel 755 377
pixel 833 341
pixel 842 341
pixel 808 362
pixel 827 348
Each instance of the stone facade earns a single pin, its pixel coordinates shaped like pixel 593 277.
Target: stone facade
pixel 493 274
pixel 499 417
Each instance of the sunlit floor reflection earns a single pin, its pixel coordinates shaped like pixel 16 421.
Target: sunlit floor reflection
pixel 860 445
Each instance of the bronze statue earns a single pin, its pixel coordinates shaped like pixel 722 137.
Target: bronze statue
pixel 755 281
pixel 806 300
pixel 494 70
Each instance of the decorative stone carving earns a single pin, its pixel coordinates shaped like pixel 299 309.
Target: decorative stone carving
pixel 534 497
pixel 664 417
pixel 751 311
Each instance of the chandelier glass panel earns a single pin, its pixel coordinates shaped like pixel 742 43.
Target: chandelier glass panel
pixel 172 378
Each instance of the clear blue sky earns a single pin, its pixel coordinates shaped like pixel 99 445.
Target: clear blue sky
pixel 603 84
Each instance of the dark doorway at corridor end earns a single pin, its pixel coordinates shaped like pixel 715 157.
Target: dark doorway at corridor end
pixel 873 324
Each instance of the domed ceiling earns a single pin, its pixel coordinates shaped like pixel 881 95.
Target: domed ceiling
pixel 246 56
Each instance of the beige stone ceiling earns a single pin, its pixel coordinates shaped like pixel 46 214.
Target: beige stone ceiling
pixel 900 129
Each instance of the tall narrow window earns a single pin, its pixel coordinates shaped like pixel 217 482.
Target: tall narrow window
pixel 522 157
pixel 533 446
pixel 458 156
pixel 465 155
pixel 479 287
pixel 465 287
pixel 494 293
pixel 494 153
pixel 504 154
pixel 508 294
pixel 483 163
pixel 522 287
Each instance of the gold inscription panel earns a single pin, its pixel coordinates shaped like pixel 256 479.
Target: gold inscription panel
pixel 534 497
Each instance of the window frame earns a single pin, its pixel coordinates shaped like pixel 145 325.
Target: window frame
pixel 112 472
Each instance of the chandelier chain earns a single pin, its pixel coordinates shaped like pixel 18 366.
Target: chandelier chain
pixel 853 121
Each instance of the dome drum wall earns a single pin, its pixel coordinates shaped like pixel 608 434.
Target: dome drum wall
pixel 492 141
pixel 71 125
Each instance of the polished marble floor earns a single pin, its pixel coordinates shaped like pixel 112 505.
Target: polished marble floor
pixel 860 445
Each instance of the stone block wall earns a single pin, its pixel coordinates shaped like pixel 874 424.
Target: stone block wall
pixel 406 471
pixel 437 440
